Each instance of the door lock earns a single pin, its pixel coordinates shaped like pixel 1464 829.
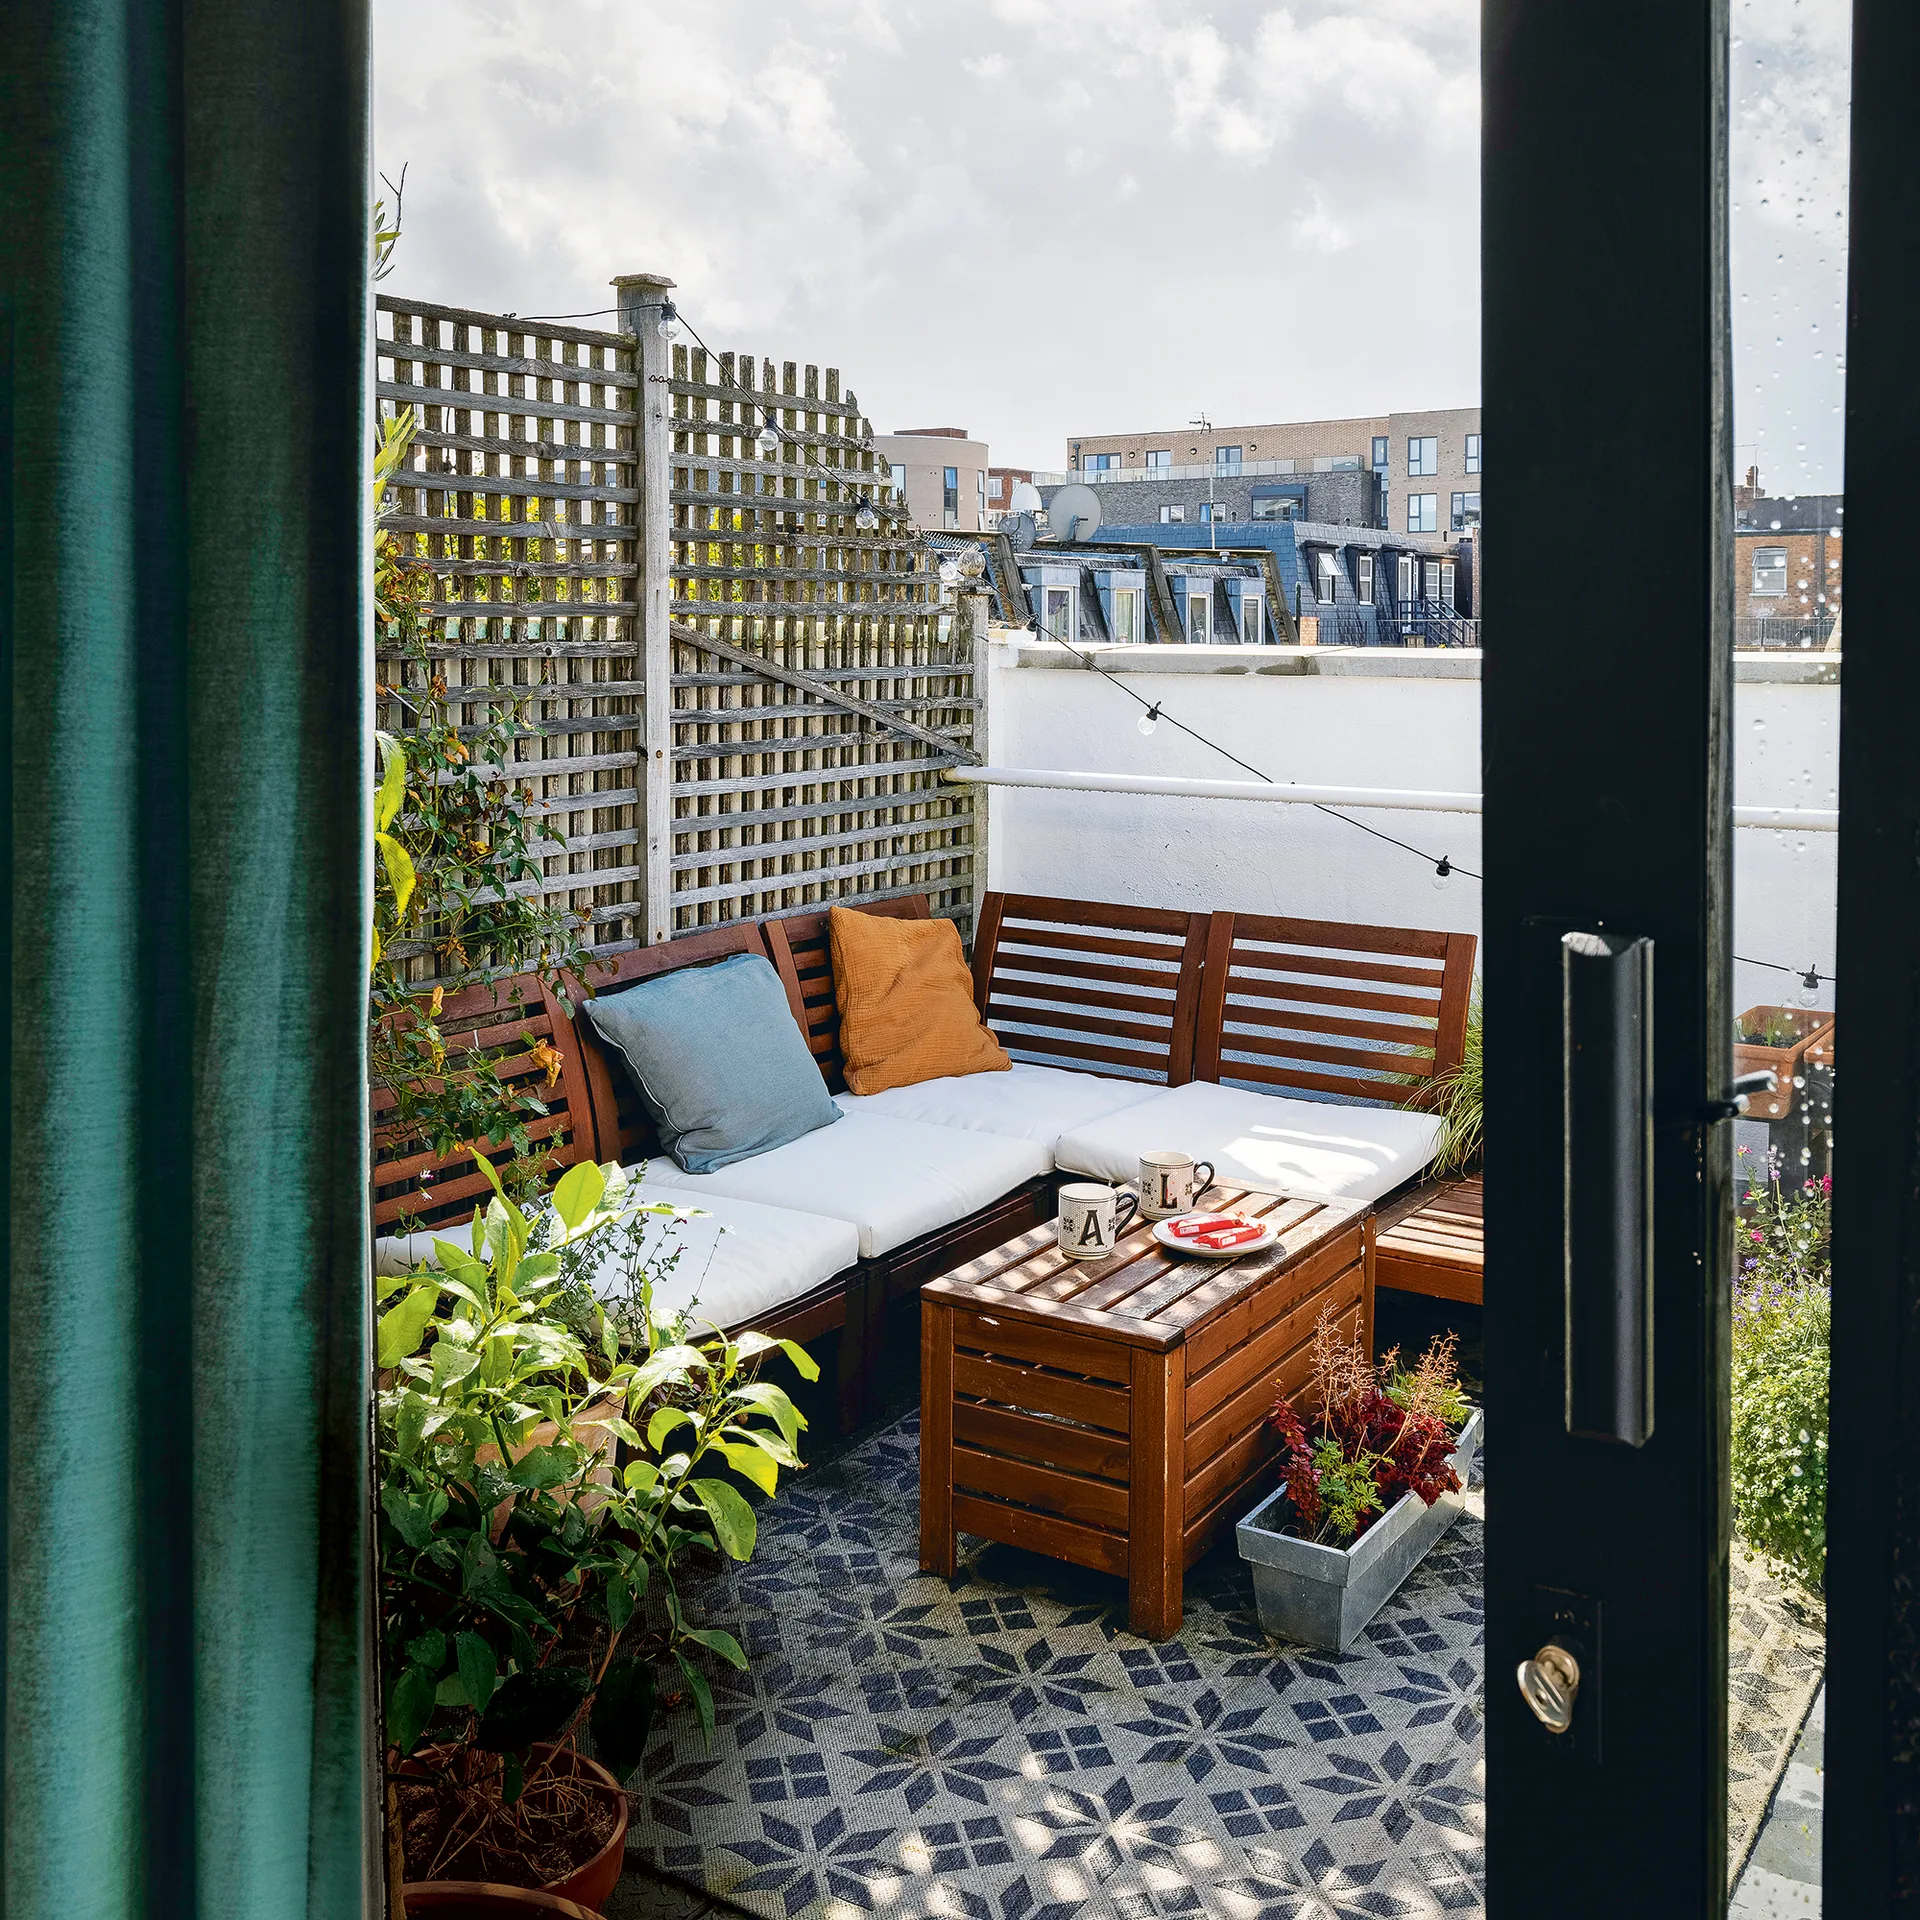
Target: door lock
pixel 1549 1683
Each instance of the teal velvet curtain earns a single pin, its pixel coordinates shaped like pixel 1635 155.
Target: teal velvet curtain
pixel 183 325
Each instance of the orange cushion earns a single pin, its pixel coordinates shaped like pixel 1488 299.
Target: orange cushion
pixel 906 1003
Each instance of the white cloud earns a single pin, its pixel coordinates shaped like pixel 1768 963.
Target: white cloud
pixel 1029 217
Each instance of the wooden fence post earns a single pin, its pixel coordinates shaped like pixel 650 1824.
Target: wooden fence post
pixel 642 297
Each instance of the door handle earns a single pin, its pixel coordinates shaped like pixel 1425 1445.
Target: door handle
pixel 1745 1085
pixel 1550 1683
pixel 1606 984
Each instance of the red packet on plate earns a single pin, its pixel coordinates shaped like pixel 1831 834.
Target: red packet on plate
pixel 1236 1235
pixel 1193 1226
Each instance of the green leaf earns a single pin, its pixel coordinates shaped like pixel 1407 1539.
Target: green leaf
pixel 619 1602
pixel 411 1521
pixel 399 866
pixel 669 1363
pixel 702 1693
pixel 718 1640
pixel 766 1398
pixel 804 1363
pixel 409 1708
pixel 478 1669
pixel 451 1364
pixel 531 1706
pixel 578 1192
pixel 402 1327
pixel 663 1423
pixel 545 1467
pixel 734 1525
pixel 393 784
pixel 622 1716
pixel 429 1650
pixel 755 1464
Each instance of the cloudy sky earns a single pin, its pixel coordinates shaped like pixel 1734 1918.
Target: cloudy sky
pixel 1034 218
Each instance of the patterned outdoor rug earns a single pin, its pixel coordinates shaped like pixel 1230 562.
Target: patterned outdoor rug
pixel 1776 1653
pixel 1004 1749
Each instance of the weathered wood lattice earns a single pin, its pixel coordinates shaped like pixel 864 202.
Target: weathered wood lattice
pixel 523 498
pixel 779 801
pixel 520 498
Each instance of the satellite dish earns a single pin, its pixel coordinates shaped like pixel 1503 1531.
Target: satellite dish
pixel 1025 498
pixel 1023 530
pixel 1074 513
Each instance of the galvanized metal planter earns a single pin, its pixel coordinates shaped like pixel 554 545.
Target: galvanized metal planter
pixel 1324 1596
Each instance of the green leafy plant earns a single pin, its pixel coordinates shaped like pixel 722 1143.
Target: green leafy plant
pixel 1774 1027
pixel 540 1498
pixel 457 876
pixel 1782 1322
pixel 1455 1097
pixel 1376 1433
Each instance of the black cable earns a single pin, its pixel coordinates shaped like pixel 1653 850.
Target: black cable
pixel 1443 866
pixel 596 313
pixel 1810 975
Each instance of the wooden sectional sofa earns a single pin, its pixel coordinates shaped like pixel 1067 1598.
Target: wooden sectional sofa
pixel 1130 1028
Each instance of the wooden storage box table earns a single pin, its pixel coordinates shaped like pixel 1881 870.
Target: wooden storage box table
pixel 1112 1412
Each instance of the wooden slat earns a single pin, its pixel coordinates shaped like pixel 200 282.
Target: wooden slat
pixel 1211 1384
pixel 1003 1337
pixel 1040 1392
pixel 1080 1546
pixel 1044 1443
pixel 1156 1508
pixel 937 1544
pixel 1073 1496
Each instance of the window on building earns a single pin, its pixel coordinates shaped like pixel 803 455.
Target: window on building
pixel 1227 459
pixel 1159 456
pixel 897 473
pixel 1172 516
pixel 1466 511
pixel 1363 578
pixel 1211 510
pixel 1769 573
pixel 1059 620
pixel 1407 579
pixel 1446 583
pixel 1423 456
pixel 1101 462
pixel 1325 576
pixel 1380 453
pixel 1199 618
pixel 1423 513
pixel 1250 620
pixel 1126 613
pixel 1275 503
pixel 1473 453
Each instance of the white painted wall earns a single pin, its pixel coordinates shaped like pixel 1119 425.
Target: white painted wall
pixel 1375 718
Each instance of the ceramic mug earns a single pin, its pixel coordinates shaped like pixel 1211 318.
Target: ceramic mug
pixel 1170 1183
pixel 1092 1219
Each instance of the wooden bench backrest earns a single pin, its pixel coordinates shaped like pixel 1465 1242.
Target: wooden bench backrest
pixel 1087 984
pixel 623 1129
pixel 1372 1012
pixel 800 948
pixel 505 1020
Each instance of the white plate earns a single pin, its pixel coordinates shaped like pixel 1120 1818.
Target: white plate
pixel 1163 1232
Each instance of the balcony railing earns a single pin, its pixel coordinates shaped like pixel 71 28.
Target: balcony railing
pixel 1773 633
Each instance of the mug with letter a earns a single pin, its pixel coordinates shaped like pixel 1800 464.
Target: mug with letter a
pixel 1092 1219
pixel 1170 1183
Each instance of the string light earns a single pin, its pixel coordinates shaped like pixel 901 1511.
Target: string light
pixel 1149 720
pixel 1442 874
pixel 866 517
pixel 768 438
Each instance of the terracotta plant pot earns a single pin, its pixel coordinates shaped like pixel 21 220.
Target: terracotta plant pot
pixel 589 1885
pixel 1806 1027
pixel 483 1900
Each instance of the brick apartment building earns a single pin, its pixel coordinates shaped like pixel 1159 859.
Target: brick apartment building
pixel 942 474
pixel 1787 566
pixel 1415 473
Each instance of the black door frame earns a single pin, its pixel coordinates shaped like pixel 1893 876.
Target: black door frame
pixel 1607 778
pixel 1871 1854
pixel 1607 771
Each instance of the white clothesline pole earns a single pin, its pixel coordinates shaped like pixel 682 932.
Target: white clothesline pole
pixel 1389 799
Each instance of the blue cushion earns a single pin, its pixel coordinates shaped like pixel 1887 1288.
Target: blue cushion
pixel 719 1060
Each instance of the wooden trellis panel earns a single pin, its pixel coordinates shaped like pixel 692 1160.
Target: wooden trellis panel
pixel 781 802
pixel 521 500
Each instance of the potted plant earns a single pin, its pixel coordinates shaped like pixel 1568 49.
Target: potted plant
pixel 1455 1097
pixel 1775 1037
pixel 540 1493
pixel 1366 1489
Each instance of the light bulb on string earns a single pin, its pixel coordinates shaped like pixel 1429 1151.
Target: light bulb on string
pixel 1442 874
pixel 866 518
pixel 1809 994
pixel 768 438
pixel 1150 719
pixel 663 325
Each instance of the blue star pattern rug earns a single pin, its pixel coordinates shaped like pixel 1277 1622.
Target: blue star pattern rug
pixel 1000 1747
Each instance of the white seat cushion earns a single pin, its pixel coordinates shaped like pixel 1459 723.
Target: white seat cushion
pixel 735 1260
pixel 1027 1103
pixel 1260 1140
pixel 892 1179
